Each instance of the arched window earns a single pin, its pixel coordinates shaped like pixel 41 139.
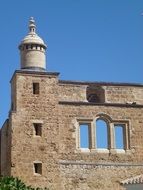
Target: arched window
pixel 101 134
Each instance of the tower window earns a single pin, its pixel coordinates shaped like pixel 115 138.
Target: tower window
pixel 38 168
pixel 37 129
pixel 35 88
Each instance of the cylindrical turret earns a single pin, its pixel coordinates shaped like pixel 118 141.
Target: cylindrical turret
pixel 32 50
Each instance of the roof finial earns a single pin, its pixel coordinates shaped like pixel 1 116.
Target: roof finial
pixel 32 26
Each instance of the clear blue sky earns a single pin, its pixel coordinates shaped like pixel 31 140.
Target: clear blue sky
pixel 91 40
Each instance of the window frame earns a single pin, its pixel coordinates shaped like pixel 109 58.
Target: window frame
pixel 126 135
pixel 110 134
pixel 38 164
pixel 35 88
pixel 36 130
pixel 87 122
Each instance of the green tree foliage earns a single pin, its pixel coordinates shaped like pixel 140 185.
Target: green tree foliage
pixel 11 183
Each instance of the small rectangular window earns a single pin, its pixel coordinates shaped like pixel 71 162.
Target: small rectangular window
pixel 35 88
pixel 38 168
pixel 37 129
pixel 119 136
pixel 84 136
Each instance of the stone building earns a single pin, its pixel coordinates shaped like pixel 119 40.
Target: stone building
pixel 70 135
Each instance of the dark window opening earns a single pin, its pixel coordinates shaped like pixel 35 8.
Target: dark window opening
pixel 35 88
pixel 93 98
pixel 38 129
pixel 95 94
pixel 38 168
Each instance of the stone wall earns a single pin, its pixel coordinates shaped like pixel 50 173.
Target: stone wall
pixel 69 114
pixel 119 93
pixel 89 176
pixel 26 147
pixel 58 107
pixel 6 148
pixel 124 94
pixel 79 174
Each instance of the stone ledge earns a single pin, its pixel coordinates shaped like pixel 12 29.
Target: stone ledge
pixel 71 162
pixel 32 72
pixel 100 83
pixel 79 103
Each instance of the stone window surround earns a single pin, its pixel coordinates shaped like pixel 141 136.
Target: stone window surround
pixel 37 129
pixel 36 88
pixel 37 121
pixel 40 170
pixel 110 131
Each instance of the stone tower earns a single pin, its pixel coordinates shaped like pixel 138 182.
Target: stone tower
pixel 32 50
pixel 42 141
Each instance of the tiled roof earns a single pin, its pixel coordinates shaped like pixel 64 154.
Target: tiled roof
pixel 133 180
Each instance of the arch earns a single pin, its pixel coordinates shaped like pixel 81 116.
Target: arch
pixel 105 117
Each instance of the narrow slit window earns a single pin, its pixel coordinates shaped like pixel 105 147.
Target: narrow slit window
pixel 119 137
pixel 35 88
pixel 101 134
pixel 38 168
pixel 37 129
pixel 84 136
